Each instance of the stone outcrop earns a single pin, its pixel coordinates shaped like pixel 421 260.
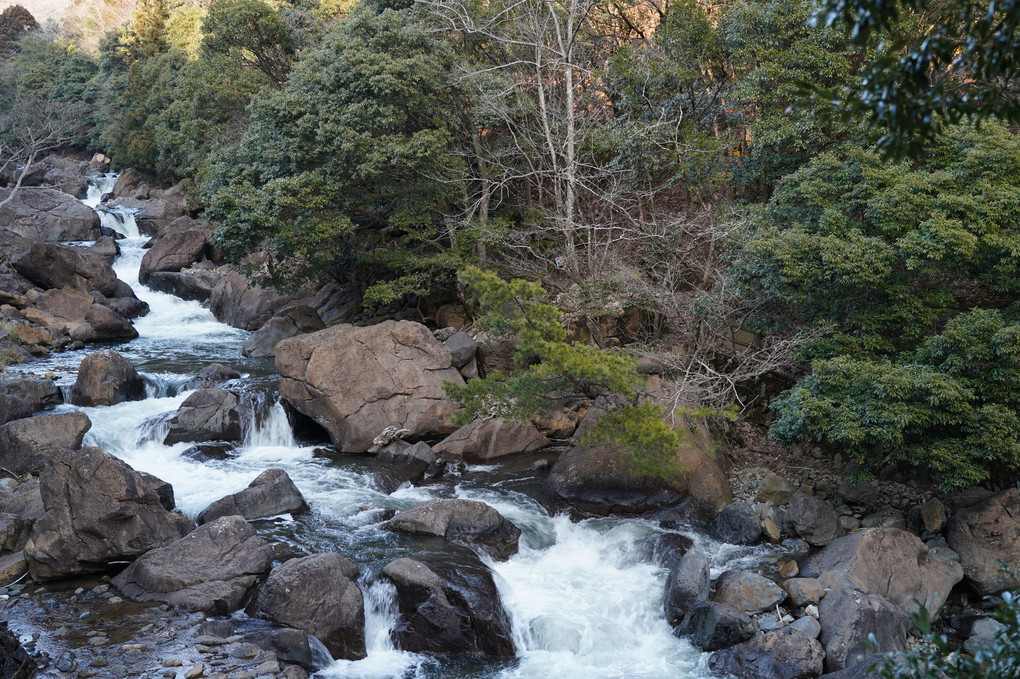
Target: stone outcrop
pixel 78 316
pixel 42 214
pixel 26 445
pixel 98 510
pixel 235 301
pixel 290 322
pixel 181 244
pixel 484 440
pixel 105 379
pixel 51 265
pixel 271 493
pixel 206 415
pixel 211 569
pixel 848 618
pixel 356 382
pixel 885 561
pixel 318 594
pixel 449 609
pixel 603 479
pixel 22 395
pixel 984 534
pixel 784 654
pixel 465 521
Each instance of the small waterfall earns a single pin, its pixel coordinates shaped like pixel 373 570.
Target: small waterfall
pixel 98 187
pixel 381 614
pixel 119 219
pixel 268 426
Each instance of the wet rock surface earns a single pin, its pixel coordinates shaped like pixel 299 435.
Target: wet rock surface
pixel 270 494
pixel 465 521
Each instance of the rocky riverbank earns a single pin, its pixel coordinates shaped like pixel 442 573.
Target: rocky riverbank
pixel 394 532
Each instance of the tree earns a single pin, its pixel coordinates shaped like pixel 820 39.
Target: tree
pixel 344 172
pixel 253 33
pixel 911 273
pixel 549 368
pixel 15 22
pixel 962 65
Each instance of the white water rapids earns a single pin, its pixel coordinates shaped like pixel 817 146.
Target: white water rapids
pixel 584 600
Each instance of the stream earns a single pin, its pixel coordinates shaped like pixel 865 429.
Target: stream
pixel 585 597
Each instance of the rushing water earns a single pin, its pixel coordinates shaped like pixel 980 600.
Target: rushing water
pixel 584 599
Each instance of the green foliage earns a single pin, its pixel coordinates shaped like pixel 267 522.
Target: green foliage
pixel 934 657
pixel 251 32
pixel 548 367
pixel 346 167
pixel 961 65
pixel 912 270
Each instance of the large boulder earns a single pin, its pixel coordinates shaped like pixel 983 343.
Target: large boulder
pixel 849 617
pixel 484 440
pixel 292 646
pixel 402 463
pixel 357 382
pixel 51 265
pixel 465 521
pixel 291 322
pixel 813 519
pixel 449 608
pixel 235 301
pixel 736 524
pixel 687 583
pixel 318 594
pixel 48 215
pixel 603 478
pixel 211 569
pixel 78 315
pixel 194 284
pixel 212 375
pixel 98 510
pixel 885 561
pixel 784 654
pixel 985 534
pixel 271 493
pixel 156 209
pixel 106 378
pixel 181 244
pixel 748 592
pixel 713 626
pixel 206 415
pixel 26 445
pixel 22 395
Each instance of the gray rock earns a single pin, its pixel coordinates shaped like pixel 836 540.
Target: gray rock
pixel 984 534
pixel 105 379
pixel 748 592
pixel 449 609
pixel 318 594
pixel 272 493
pixel 736 524
pixel 982 633
pixel 212 375
pixel 813 519
pixel 20 396
pixel 808 626
pixel 210 570
pixel 784 654
pixel 461 347
pixel 849 617
pixel 183 243
pixel 51 265
pixel 484 440
pixel 27 444
pixel 885 561
pixel 293 646
pixel 290 322
pixel 465 521
pixel 713 626
pixel 194 284
pixel 235 301
pixel 78 316
pixel 776 489
pixel 98 510
pixel 688 583
pixel 403 463
pixel 206 415
pixel 42 214
pixel 803 591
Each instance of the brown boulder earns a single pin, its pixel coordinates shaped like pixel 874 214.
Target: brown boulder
pixel 291 322
pixel 465 521
pixel 483 440
pixel 98 510
pixel 272 493
pixel 211 569
pixel 26 445
pixel 106 378
pixel 181 244
pixel 235 301
pixel 20 396
pixel 51 265
pixel 784 654
pixel 206 415
pixel 318 594
pixel 356 382
pixel 77 315
pixel 984 534
pixel 48 215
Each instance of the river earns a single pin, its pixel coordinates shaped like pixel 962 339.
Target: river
pixel 585 597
